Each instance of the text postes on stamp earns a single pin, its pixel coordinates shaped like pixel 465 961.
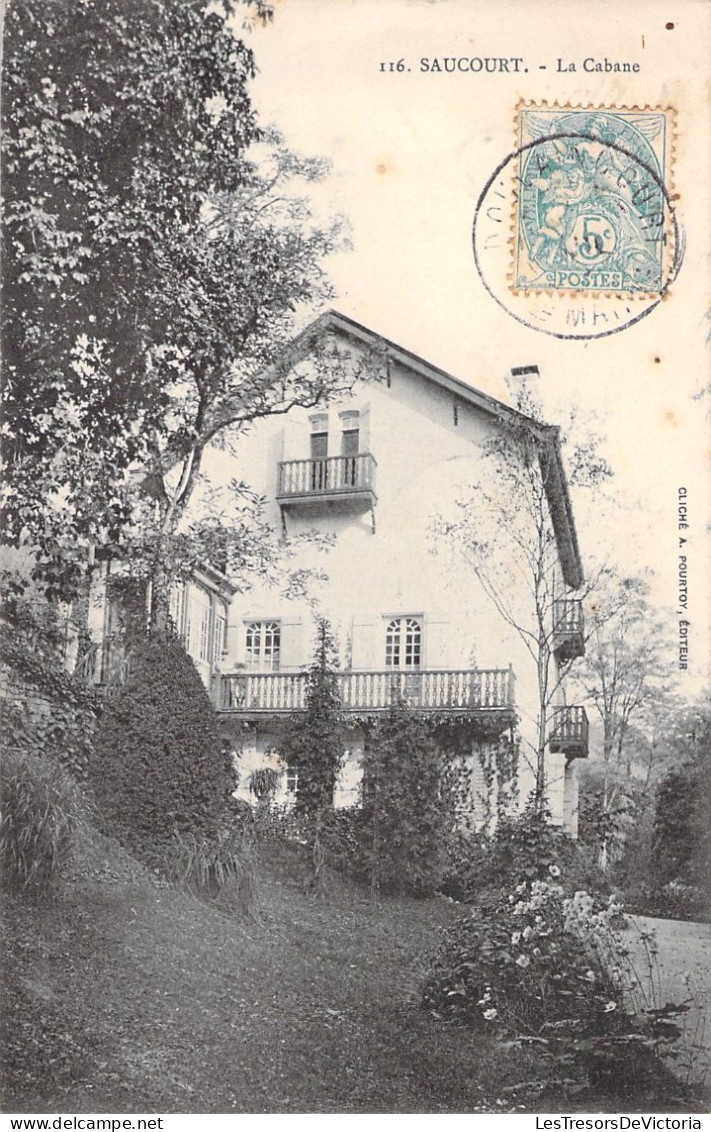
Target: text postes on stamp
pixel 575 232
pixel 590 209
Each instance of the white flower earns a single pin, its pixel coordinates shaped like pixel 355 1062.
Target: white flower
pixel 523 961
pixel 515 937
pixel 483 1001
pixel 490 1014
pixel 527 932
pixel 610 1006
pixel 590 976
pixel 554 870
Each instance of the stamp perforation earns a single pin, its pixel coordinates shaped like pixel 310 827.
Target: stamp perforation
pixel 606 222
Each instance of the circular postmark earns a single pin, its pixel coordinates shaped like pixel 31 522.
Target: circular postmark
pixel 575 233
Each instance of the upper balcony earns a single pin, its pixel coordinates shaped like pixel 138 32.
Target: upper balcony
pixel 568 629
pixel 483 694
pixel 570 732
pixel 333 479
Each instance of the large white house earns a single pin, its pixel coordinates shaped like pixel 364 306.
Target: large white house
pixel 374 470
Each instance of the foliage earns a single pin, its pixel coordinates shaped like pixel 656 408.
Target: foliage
pixel 407 811
pixel 160 765
pixel 522 846
pixel 682 822
pixel 157 251
pixel 313 745
pixel 505 531
pixel 40 808
pixel 621 675
pixel 43 708
pixel 556 970
pixel 219 867
pixel 661 862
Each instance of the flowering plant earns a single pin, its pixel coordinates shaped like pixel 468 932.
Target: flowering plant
pixel 557 970
pixel 527 966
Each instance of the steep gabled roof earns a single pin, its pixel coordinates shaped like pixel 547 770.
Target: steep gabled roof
pixel 548 435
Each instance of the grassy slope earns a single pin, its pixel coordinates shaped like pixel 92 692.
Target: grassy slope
pixel 124 996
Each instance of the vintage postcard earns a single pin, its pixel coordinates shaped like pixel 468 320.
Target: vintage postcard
pixel 356 554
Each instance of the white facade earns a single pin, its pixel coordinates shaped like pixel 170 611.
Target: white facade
pixel 375 470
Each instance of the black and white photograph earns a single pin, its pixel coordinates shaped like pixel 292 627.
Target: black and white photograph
pixel 355 645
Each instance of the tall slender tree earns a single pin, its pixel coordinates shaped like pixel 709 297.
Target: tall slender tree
pixel 504 533
pixel 313 744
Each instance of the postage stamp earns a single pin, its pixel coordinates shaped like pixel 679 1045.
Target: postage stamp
pixel 592 210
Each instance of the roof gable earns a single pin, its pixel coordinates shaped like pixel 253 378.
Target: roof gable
pixel 548 436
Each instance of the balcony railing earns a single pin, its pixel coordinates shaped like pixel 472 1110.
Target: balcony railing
pixel 333 476
pixel 570 732
pixel 471 690
pixel 568 629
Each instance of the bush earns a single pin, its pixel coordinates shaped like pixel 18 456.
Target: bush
pixel 40 807
pixel 522 847
pixel 218 868
pixel 554 969
pixel 160 764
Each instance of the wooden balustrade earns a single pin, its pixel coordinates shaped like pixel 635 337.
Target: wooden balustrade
pixel 332 475
pixel 465 690
pixel 570 734
pixel 568 628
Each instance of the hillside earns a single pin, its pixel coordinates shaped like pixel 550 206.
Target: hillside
pixel 126 996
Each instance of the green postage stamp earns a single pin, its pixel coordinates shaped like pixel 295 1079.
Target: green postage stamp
pixel 593 210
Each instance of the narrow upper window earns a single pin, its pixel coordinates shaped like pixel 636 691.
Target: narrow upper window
pixel 350 446
pixel 403 643
pixel 263 646
pixel 319 451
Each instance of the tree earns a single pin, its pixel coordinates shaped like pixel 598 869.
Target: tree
pixel 312 744
pixel 157 253
pixel 620 674
pixel 505 534
pixel 682 820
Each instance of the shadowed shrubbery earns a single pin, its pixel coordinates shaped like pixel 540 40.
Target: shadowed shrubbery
pixel 217 867
pixel 39 813
pixel 160 764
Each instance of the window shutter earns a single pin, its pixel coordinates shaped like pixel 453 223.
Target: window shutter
pixel 292 655
pixel 365 654
pixel 365 443
pixel 437 652
pixel 296 440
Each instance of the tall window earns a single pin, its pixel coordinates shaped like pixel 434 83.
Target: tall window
pixel 350 445
pixel 319 451
pixel 403 643
pixel 263 646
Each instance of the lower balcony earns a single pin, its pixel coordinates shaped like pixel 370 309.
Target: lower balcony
pixel 570 733
pixel 488 693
